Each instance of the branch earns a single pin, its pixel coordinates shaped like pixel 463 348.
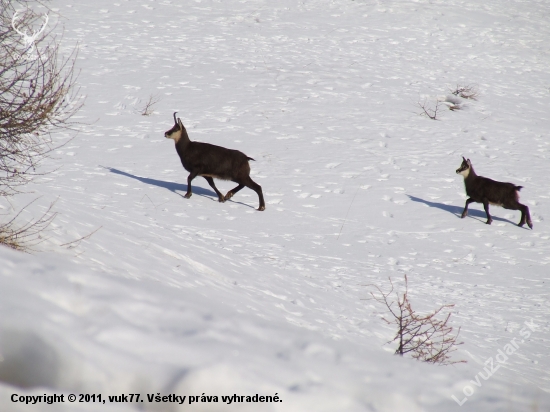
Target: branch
pixel 428 111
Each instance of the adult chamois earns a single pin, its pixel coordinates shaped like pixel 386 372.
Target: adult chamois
pixel 483 190
pixel 209 161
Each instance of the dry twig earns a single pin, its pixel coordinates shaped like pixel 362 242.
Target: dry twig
pixel 74 243
pixel 428 111
pixel 148 108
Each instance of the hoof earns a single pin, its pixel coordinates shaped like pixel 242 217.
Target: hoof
pixel 221 199
pixel 530 224
pixel 187 195
pixel 261 208
pixel 463 215
pixel 488 222
pixel 228 196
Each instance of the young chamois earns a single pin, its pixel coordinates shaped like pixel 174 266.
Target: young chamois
pixel 209 161
pixel 483 190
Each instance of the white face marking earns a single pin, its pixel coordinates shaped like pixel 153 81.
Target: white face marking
pixel 176 136
pixel 465 172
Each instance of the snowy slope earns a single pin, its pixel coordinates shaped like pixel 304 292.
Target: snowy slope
pixel 190 296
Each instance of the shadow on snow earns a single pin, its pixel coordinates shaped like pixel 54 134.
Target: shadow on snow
pixel 457 210
pixel 172 186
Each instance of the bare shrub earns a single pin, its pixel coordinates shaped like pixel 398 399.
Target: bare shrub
pixel 38 94
pixel 424 337
pixel 469 91
pixel 148 108
pixel 25 237
pixel 430 110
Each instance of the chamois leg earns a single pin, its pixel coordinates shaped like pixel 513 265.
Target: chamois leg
pixel 258 189
pixel 191 176
pixel 213 186
pixel 232 192
pixel 486 207
pixel 529 221
pixel 465 211
pixel 525 216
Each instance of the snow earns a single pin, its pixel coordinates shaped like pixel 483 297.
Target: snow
pixel 191 296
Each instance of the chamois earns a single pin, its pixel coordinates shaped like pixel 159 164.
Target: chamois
pixel 209 161
pixel 483 190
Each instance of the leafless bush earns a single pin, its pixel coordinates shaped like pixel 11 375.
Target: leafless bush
pixel 469 91
pixel 25 237
pixel 148 108
pixel 424 337
pixel 38 94
pixel 430 110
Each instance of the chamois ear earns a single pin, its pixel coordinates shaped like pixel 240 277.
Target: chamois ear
pixel 180 124
pixel 468 161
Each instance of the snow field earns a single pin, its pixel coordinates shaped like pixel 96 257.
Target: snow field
pixel 187 296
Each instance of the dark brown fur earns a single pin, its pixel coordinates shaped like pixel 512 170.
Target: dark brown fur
pixel 211 161
pixel 487 191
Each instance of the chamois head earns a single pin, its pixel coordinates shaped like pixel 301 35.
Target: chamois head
pixel 464 168
pixel 177 131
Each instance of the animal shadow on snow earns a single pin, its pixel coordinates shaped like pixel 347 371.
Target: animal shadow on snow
pixel 457 210
pixel 172 186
